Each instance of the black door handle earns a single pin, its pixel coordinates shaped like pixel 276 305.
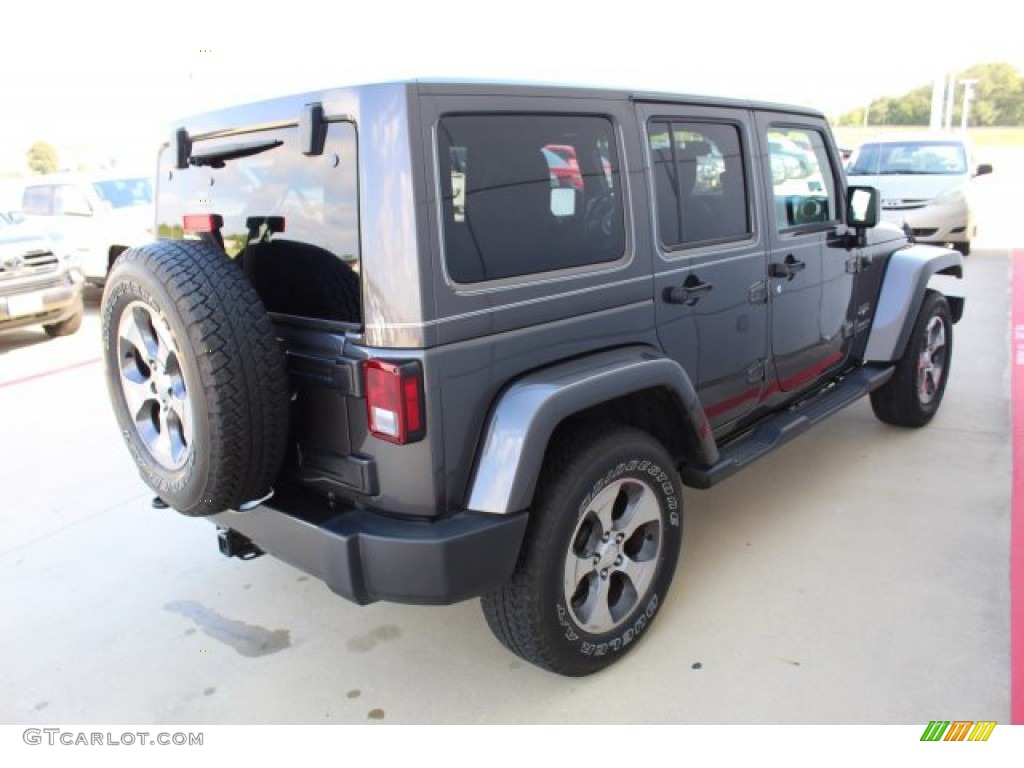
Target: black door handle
pixel 688 293
pixel 787 268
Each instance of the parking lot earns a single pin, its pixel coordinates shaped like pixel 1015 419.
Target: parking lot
pixel 859 575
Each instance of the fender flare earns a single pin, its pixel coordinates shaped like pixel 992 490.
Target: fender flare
pixel 903 288
pixel 529 410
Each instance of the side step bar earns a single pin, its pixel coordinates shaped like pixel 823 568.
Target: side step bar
pixel 783 427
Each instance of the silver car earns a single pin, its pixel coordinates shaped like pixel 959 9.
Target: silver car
pixel 925 184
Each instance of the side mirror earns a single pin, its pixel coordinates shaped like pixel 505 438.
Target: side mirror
pixel 863 207
pixel 983 169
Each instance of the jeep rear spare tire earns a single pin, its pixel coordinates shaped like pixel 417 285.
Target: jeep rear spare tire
pixel 195 375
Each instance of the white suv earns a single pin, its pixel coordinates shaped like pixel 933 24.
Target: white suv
pixel 925 184
pixel 94 218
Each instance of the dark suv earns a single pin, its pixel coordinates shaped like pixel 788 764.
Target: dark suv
pixel 383 340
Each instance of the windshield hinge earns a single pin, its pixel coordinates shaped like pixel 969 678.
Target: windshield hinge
pixel 858 263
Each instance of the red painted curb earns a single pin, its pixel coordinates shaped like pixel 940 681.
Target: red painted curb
pixel 1017 497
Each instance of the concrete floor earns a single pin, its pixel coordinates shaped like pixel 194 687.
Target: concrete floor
pixel 859 575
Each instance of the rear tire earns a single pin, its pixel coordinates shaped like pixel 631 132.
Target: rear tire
pixel 195 375
pixel 601 548
pixel 913 395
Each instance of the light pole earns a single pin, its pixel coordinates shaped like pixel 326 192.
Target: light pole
pixel 968 94
pixel 950 98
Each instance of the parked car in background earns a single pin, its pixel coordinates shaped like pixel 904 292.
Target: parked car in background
pixel 925 183
pixel 38 285
pixel 94 217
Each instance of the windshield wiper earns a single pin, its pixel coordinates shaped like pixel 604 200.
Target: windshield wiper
pixel 215 158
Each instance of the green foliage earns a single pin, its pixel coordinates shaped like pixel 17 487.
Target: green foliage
pixel 998 100
pixel 42 158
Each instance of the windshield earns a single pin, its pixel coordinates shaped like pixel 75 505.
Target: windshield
pixel 912 157
pixel 124 193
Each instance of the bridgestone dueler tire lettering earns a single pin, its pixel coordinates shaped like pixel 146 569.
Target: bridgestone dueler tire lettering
pixel 230 361
pixel 530 613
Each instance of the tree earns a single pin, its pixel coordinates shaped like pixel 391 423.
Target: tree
pixel 42 158
pixel 998 99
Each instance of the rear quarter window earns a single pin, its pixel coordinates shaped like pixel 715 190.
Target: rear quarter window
pixel 527 194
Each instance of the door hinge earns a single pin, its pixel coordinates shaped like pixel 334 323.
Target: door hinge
pixel 758 293
pixel 755 373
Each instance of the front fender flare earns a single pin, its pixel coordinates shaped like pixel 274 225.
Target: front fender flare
pixel 903 288
pixel 529 410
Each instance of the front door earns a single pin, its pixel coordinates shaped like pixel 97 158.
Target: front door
pixel 810 287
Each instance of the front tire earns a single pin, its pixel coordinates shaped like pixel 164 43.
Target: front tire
pixel 913 395
pixel 600 551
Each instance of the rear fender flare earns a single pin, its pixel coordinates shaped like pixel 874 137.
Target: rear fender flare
pixel 531 408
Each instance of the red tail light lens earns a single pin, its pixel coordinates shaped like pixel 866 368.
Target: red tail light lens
pixel 202 222
pixel 394 401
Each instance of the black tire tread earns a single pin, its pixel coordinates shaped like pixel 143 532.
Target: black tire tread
pixel 896 401
pixel 240 363
pixel 513 610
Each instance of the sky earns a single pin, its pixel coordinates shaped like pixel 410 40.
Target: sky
pixel 106 79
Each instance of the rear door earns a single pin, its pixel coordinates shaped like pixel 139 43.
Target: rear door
pixel 710 289
pixel 809 286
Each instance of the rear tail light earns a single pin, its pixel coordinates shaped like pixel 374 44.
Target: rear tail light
pixel 198 223
pixel 394 401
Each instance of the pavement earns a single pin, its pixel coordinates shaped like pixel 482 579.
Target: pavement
pixel 859 575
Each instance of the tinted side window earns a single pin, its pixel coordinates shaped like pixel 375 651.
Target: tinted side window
pixel 524 194
pixel 699 182
pixel 803 185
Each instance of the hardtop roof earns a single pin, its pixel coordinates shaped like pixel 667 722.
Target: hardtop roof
pixel 285 109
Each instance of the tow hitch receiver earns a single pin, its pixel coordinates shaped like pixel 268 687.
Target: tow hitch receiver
pixel 233 544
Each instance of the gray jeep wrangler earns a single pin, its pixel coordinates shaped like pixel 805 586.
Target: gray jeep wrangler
pixel 434 341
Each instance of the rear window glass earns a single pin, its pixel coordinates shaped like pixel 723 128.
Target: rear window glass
pixel 524 194
pixel 292 220
pixel 316 196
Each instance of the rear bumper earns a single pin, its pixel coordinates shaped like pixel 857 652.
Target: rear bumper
pixel 367 557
